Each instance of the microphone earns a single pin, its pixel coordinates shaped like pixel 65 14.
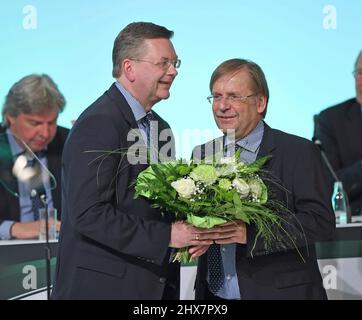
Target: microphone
pixel 39 192
pixel 319 144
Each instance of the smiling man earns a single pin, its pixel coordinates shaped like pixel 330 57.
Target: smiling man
pixel 237 266
pixel 30 116
pixel 113 246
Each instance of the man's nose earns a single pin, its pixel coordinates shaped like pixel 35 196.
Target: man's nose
pixel 224 104
pixel 45 131
pixel 172 70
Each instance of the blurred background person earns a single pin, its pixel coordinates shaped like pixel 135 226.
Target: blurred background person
pixel 339 128
pixel 29 127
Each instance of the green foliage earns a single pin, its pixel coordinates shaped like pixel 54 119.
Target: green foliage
pixel 215 199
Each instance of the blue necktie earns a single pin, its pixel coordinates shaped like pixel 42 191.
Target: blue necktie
pixel 216 269
pixel 214 258
pixel 146 122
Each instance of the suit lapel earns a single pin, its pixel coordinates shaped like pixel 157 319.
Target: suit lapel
pixel 54 166
pixel 267 145
pixel 8 180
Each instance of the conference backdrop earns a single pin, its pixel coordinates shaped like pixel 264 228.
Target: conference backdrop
pixel 306 48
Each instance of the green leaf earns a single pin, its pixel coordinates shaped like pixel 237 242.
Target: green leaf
pixel 204 222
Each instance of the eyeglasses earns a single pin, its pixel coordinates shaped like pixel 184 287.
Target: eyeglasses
pixel 233 98
pixel 357 73
pixel 164 64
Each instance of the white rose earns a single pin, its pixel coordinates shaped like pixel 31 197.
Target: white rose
pixel 241 187
pixel 255 188
pixel 184 187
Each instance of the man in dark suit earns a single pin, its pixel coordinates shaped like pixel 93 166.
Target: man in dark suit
pixel 30 114
pixel 245 270
pixel 339 128
pixel 113 246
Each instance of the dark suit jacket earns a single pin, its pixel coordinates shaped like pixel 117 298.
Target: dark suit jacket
pixel 111 246
pixel 281 274
pixel 339 128
pixel 9 204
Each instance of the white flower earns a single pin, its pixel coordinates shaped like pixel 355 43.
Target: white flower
pixel 228 160
pixel 241 187
pixel 255 188
pixel 184 187
pixel 227 167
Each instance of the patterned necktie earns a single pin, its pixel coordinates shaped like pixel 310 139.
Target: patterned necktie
pixel 36 202
pixel 214 258
pixel 146 122
pixel 216 269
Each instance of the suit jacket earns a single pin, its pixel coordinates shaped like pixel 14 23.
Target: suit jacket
pixel 111 245
pixel 339 128
pixel 9 204
pixel 277 273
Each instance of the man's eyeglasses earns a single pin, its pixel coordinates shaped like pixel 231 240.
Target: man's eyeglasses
pixel 357 73
pixel 164 64
pixel 233 98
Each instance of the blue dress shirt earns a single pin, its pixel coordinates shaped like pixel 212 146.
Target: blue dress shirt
pixel 250 147
pixel 26 214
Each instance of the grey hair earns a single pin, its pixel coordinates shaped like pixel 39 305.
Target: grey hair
pixel 255 72
pixel 32 94
pixel 130 42
pixel 358 57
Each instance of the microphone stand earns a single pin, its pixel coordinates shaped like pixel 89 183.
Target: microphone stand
pixel 43 198
pixel 318 143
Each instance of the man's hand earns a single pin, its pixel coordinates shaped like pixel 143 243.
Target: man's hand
pixel 197 251
pixel 231 232
pixel 185 235
pixel 29 230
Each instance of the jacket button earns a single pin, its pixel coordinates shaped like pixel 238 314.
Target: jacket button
pixel 162 280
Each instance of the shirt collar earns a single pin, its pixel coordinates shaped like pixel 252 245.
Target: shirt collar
pixel 16 149
pixel 252 141
pixel 136 107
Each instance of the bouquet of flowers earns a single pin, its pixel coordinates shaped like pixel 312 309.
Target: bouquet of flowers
pixel 206 194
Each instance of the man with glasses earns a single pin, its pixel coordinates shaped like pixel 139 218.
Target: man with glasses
pixel 236 267
pixel 30 115
pixel 113 246
pixel 339 128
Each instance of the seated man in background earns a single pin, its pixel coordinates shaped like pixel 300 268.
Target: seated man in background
pixel 339 128
pixel 30 114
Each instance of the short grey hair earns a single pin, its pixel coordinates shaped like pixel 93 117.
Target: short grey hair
pixel 130 42
pixel 32 94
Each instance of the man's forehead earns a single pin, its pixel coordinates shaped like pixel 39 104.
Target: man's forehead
pixel 240 77
pixel 41 116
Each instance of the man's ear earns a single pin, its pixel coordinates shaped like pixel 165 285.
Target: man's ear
pixel 261 100
pixel 9 119
pixel 128 69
